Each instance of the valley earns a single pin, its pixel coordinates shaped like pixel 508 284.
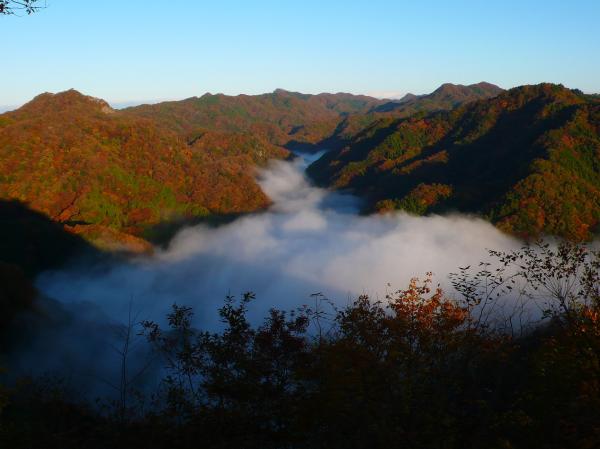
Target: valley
pixel 299 225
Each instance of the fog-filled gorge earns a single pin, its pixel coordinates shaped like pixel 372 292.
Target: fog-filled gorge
pixel 299 226
pixel 310 240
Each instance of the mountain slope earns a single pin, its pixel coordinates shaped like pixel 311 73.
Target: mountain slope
pixel 298 121
pixel 446 96
pixel 528 159
pixel 107 174
pixel 83 164
pixel 279 117
pixel 525 158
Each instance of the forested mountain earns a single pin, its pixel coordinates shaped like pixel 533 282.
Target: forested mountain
pixel 282 117
pixel 298 120
pixel 446 96
pixel 111 174
pixel 528 159
pixel 103 172
pixel 419 369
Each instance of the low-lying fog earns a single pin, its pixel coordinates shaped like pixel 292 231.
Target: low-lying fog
pixel 311 240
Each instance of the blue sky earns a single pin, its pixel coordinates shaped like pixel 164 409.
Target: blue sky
pixel 151 50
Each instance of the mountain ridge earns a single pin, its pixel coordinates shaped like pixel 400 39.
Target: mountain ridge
pixel 92 168
pixel 528 159
pixel 70 146
pixel 447 96
pixel 103 171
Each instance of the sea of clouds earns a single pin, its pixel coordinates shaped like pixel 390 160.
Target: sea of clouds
pixel 310 240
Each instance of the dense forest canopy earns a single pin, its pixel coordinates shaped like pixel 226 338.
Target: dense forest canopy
pixel 113 176
pixel 528 159
pixel 101 170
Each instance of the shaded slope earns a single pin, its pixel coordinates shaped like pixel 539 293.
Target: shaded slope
pixel 30 243
pixel 528 159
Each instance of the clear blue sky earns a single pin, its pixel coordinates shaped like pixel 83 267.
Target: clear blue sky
pixel 133 50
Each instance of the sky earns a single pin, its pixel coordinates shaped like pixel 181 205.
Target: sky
pixel 142 51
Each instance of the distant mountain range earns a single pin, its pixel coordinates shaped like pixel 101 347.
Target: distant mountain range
pixel 282 118
pixel 446 96
pixel 526 158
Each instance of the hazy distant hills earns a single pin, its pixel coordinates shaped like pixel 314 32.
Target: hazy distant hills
pixel 528 159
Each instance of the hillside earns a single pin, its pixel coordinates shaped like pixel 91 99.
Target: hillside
pixel 528 159
pixel 446 96
pixel 107 174
pixel 298 121
pixel 281 117
pixel 110 175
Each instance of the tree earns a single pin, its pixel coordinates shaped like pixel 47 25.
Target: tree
pixel 11 7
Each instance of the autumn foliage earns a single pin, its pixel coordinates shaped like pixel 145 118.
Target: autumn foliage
pixel 527 159
pixel 115 176
pixel 83 164
pixel 419 369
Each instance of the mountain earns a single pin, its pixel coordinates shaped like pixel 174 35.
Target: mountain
pixel 446 96
pixel 114 176
pixel 108 175
pixel 282 118
pixel 407 97
pixel 527 159
pixel 299 121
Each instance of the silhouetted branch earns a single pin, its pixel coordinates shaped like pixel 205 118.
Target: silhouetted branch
pixel 12 7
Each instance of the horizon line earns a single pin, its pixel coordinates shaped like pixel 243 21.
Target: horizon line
pixel 380 95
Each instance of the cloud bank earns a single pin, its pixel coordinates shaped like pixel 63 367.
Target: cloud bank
pixel 311 240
